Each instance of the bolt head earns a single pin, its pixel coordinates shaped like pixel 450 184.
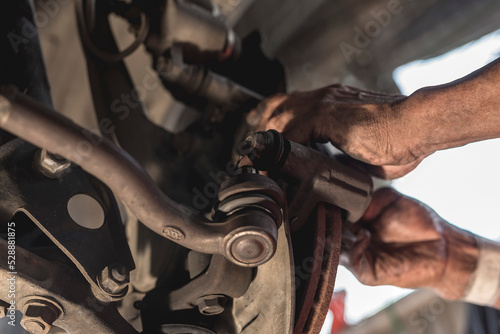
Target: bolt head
pixel 39 316
pixel 210 305
pixel 51 165
pixel 114 280
pixel 119 274
pixel 35 327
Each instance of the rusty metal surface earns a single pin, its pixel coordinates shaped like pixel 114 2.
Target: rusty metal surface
pixel 42 126
pixel 321 178
pixel 254 311
pixel 311 319
pixel 319 190
pixel 269 303
pixel 222 278
pixel 39 279
pixel 326 179
pixel 24 189
pixel 319 277
pixel 306 301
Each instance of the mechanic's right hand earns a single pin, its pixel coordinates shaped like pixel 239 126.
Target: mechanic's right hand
pixel 402 242
pixel 365 125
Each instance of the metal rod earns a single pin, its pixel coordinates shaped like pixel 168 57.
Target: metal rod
pixel 44 127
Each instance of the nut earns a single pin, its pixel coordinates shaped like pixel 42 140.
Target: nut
pixel 39 315
pixel 51 165
pixel 114 280
pixel 211 305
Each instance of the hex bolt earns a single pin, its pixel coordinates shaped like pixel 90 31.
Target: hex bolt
pixel 39 315
pixel 51 165
pixel 119 274
pixel 211 305
pixel 114 280
pixel 245 170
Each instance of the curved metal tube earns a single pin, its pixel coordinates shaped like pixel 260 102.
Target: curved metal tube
pixel 45 128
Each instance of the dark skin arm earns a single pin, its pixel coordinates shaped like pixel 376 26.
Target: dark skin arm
pixel 401 241
pixel 393 132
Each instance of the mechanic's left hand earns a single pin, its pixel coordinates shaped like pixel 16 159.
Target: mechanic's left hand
pixel 403 242
pixel 363 124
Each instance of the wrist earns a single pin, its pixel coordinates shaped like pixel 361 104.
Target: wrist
pixel 462 253
pixel 397 139
pixel 420 123
pixel 484 283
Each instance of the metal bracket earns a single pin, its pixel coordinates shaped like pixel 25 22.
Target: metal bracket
pixel 44 201
pixel 42 280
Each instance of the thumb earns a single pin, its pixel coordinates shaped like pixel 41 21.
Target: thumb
pixel 351 256
pixel 381 200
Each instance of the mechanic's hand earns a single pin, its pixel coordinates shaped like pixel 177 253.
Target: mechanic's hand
pixel 402 242
pixel 362 124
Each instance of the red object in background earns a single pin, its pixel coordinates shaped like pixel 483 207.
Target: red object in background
pixel 337 306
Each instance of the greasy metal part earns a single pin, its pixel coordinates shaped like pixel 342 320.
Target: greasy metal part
pixel 44 201
pixel 104 55
pixel 197 81
pixel 267 150
pixel 328 180
pixel 183 329
pixel 42 126
pixel 221 279
pixel 165 156
pixel 322 178
pixel 252 247
pixel 51 165
pixel 122 117
pixel 114 280
pixel 315 300
pixel 185 23
pixel 211 305
pixel 216 282
pixel 268 306
pixel 248 193
pixel 39 315
pixel 39 279
pixel 258 232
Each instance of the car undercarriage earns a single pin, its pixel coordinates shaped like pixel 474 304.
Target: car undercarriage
pixel 149 202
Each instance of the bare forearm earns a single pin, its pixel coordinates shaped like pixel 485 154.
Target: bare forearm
pixel 462 254
pixel 455 114
pixel 472 271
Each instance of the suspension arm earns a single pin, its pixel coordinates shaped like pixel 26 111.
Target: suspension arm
pixel 44 127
